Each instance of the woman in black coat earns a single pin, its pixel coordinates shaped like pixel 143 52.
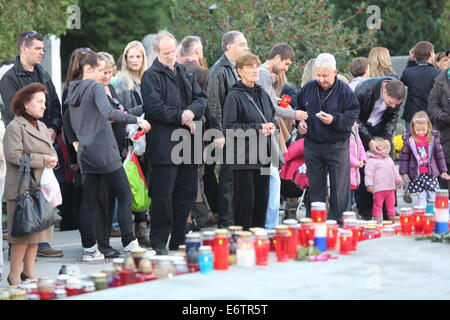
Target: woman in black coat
pixel 249 120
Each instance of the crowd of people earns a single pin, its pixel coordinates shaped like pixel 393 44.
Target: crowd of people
pixel 332 142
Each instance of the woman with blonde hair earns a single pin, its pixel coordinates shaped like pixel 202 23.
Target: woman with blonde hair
pixel 380 63
pixel 308 72
pixel 128 82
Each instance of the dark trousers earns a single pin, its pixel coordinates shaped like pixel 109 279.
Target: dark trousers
pixel 70 208
pixel 251 195
pixel 173 189
pixel 211 187
pixel 226 190
pixel 105 212
pixel 333 159
pixel 119 186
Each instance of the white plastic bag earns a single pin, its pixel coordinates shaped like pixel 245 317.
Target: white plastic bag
pixel 50 188
pixel 137 137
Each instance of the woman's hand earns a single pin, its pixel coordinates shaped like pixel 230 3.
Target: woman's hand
pixel 405 177
pixel 50 162
pixel 301 115
pixel 76 144
pixel 144 125
pixel 445 176
pixel 268 128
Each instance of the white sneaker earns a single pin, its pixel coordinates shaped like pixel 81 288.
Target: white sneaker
pixel 92 254
pixel 132 245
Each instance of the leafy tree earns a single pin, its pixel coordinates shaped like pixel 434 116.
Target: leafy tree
pixel 110 25
pixel 49 16
pixel 403 23
pixel 306 25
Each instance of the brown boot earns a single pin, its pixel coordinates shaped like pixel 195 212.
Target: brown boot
pixel 140 230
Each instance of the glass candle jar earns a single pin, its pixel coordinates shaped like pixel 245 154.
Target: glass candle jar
pixel 271 237
pixel 293 236
pixel 441 215
pixel 352 225
pixel 332 234
pixel 262 247
pixel 345 241
pixel 370 232
pixel 137 254
pixel 221 249
pixel 73 286
pixel 388 231
pixel 428 224
pixel 245 251
pixel 419 219
pixel 318 212
pixel 100 281
pixel 88 286
pixel 232 239
pixel 406 221
pixel 441 200
pixel 348 215
pixel 361 224
pixel 430 206
pixel 306 232
pixel 205 259
pixel 180 266
pixel 128 273
pixel 208 238
pixel 397 228
pixel 193 242
pixel 145 271
pixel 282 243
pixel 110 277
pixel 18 294
pixel 46 289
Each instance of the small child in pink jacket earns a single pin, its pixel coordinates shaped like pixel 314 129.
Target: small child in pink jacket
pixel 381 177
pixel 357 159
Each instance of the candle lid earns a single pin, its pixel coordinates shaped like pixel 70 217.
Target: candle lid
pixel 419 209
pixel 291 223
pixel 345 232
pixel 429 215
pixel 261 233
pixel 109 271
pixel 182 247
pixel 256 229
pixel 442 192
pixel 388 223
pixel 221 233
pixel 204 249
pixel 430 202
pixel 406 211
pixel 305 220
pixel 192 236
pixel 245 235
pixel 351 222
pixel 318 205
pixel 281 228
pixel 235 228
pixel 118 260
pixel 271 233
pixel 208 234
pixel 137 252
pixel 349 213
pixel 331 222
pixel 98 276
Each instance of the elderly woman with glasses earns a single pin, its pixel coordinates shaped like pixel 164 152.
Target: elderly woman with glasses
pixel 249 120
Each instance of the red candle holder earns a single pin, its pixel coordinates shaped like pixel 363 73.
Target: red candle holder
pixel 428 224
pixel 221 248
pixel 318 212
pixel 285 101
pixel 397 229
pixel 332 234
pixel 282 243
pixel 271 237
pixel 306 232
pixel 361 224
pixel 406 221
pixel 352 225
pixel 262 247
pixel 441 201
pixel 345 240
pixel 419 219
pixel 369 232
pixel 208 238
pixel 293 237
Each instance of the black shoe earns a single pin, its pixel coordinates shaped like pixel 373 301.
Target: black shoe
pixel 23 276
pixel 110 254
pixel 161 251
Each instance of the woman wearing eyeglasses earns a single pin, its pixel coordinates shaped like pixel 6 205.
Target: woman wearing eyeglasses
pixel 249 114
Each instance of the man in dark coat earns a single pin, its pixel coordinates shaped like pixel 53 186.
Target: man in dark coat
pixel 26 70
pixel 332 110
pixel 173 100
pixel 380 100
pixel 419 78
pixel 221 78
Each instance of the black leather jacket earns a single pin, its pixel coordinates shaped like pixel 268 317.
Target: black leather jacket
pixel 17 78
pixel 221 79
pixel 368 92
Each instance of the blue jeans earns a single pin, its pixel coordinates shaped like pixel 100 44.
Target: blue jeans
pixel 43 245
pixel 273 207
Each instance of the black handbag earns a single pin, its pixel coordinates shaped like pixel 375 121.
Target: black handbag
pixel 33 212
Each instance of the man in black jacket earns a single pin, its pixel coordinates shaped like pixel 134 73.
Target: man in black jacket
pixel 380 100
pixel 26 70
pixel 221 78
pixel 419 78
pixel 332 110
pixel 173 99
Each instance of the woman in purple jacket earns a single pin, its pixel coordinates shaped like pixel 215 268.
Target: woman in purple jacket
pixel 422 159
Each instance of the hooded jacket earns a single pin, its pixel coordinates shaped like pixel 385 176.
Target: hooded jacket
pixel 90 116
pixel 240 114
pixel 15 79
pixel 381 173
pixel 409 158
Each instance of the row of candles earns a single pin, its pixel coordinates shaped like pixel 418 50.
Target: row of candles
pixel 219 249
